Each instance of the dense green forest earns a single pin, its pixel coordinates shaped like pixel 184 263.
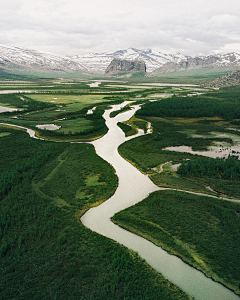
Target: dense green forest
pixel 215 168
pixel 203 231
pixel 224 103
pixel 127 129
pixel 46 253
pixel 192 107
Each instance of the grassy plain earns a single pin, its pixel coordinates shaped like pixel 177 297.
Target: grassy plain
pixel 66 103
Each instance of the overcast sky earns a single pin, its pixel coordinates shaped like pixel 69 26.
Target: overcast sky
pixel 69 27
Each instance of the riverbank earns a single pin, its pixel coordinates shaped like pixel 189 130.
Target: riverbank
pixel 191 227
pixel 134 187
pixel 45 250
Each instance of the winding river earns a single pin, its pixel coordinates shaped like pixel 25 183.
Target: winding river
pixel 134 187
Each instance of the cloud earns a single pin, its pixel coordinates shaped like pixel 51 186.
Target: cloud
pixel 77 27
pixel 224 21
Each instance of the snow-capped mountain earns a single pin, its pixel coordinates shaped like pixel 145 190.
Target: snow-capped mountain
pixel 230 60
pixel 98 62
pixel 16 58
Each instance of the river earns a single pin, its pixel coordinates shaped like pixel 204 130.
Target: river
pixel 134 187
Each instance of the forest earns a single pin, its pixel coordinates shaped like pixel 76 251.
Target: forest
pixel 203 231
pixel 46 252
pixel 214 168
pixel 224 104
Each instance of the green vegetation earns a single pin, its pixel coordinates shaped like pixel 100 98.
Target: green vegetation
pixel 172 180
pixel 193 107
pixel 89 179
pixel 27 104
pixel 195 76
pixel 222 175
pixel 186 224
pixel 146 151
pixel 116 112
pixel 46 253
pixel 2 134
pixel 204 232
pixel 127 129
pixel 70 115
pixel 213 168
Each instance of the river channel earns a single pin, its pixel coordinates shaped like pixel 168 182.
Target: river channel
pixel 134 187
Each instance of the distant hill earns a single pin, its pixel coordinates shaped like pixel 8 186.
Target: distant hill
pixel 126 68
pixel 230 79
pixel 227 61
pixel 20 60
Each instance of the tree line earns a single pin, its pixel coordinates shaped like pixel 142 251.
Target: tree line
pixel 214 168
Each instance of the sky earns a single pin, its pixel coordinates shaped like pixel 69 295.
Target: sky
pixel 76 27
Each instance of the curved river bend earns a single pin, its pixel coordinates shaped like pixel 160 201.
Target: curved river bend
pixel 134 187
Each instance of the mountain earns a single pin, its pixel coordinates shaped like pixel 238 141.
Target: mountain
pixel 17 60
pixel 124 67
pixel 230 60
pixel 98 62
pixel 230 79
pixel 20 59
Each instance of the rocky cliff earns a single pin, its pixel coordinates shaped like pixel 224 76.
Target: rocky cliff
pixel 123 67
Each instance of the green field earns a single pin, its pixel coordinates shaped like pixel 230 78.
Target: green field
pixel 68 107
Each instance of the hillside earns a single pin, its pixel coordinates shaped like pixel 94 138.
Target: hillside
pixel 230 61
pixel 15 59
pixel 230 79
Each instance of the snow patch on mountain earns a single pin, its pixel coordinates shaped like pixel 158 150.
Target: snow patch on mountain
pixel 16 58
pixel 98 62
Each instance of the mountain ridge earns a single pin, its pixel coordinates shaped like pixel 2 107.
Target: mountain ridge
pixel 100 61
pixel 17 59
pixel 229 60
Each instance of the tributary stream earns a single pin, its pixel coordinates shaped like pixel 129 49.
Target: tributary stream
pixel 134 187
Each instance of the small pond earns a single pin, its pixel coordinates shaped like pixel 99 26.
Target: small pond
pixel 5 109
pixel 48 126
